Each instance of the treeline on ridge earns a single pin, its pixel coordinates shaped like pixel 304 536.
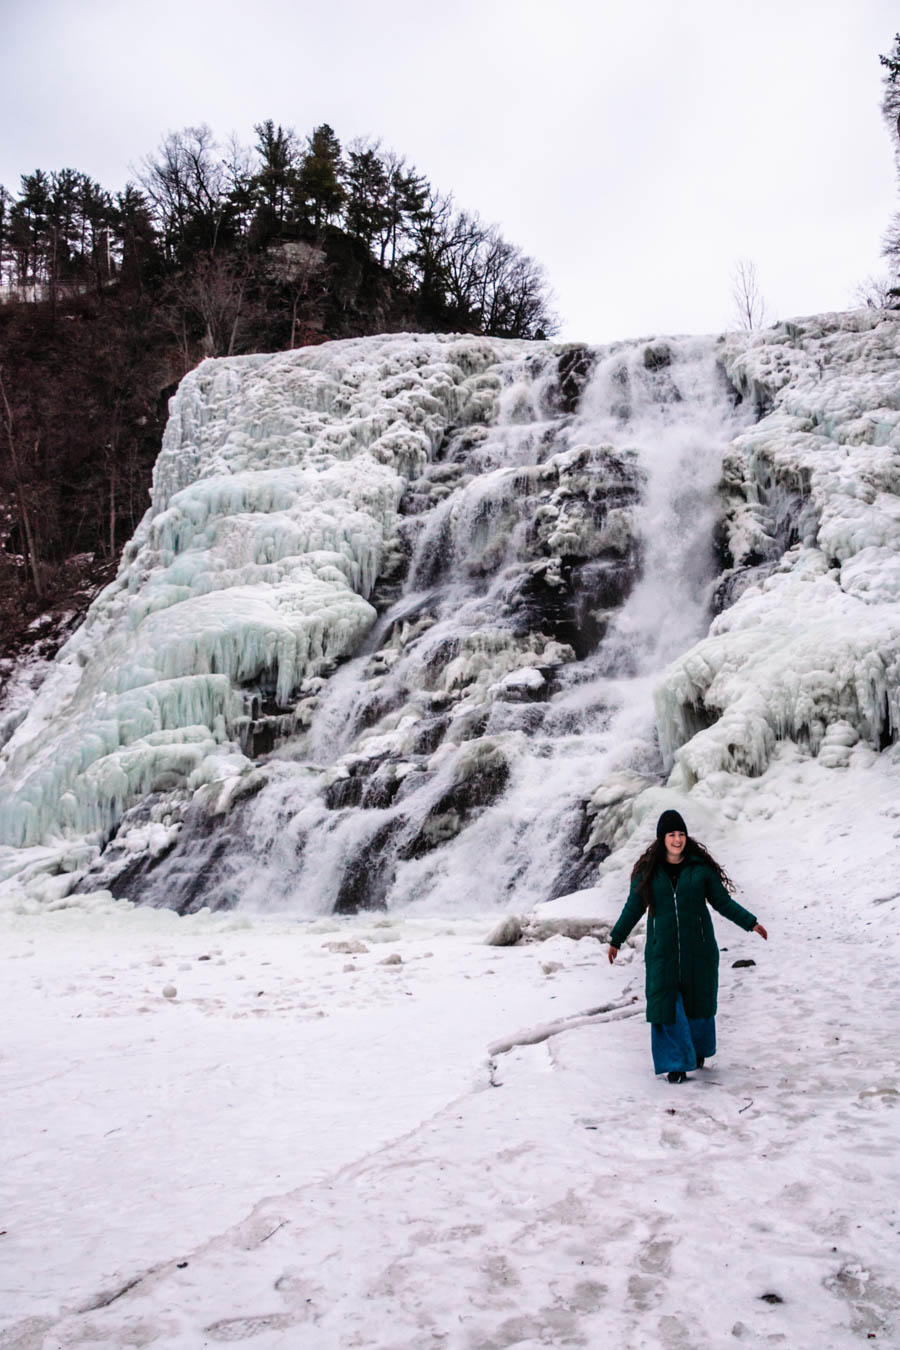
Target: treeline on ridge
pixel 109 298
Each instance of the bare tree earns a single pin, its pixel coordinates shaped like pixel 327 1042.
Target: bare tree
pixel 464 271
pixel 218 296
pixel 749 306
pixel 874 292
pixel 21 489
pixel 187 184
pixel 890 111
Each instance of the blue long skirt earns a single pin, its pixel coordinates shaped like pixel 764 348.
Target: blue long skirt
pixel 677 1045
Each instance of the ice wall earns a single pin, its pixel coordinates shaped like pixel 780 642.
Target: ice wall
pixel 400 608
pixel 808 648
pixel 274 505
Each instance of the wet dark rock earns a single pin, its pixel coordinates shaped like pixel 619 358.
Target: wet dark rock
pixel 259 736
pixel 540 601
pixel 482 775
pixel 603 582
pixel 118 869
pixel 739 965
pixel 524 693
pixel 344 793
pixel 657 357
pixel 368 783
pixel 514 716
pixel 571 602
pixel 458 444
pixel 439 657
pixel 412 782
pixel 124 876
pixel 435 556
pixel 185 878
pixel 574 368
pixel 196 869
pixel 599 588
pixel 260 698
pixel 266 722
pixel 760 396
pixel 469 725
pixel 368 876
pixel 732 585
pixel 372 707
pixel 478 789
pixel 439 827
pixel 796 520
pixel 580 869
pixel 429 734
pixel 436 482
pixel 395 565
pixel 886 733
pixel 380 790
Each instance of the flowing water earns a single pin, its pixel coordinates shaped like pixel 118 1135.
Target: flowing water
pixel 478 800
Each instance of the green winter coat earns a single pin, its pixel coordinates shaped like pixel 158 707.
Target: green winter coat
pixel 681 951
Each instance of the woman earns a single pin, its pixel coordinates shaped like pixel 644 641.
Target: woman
pixel 672 881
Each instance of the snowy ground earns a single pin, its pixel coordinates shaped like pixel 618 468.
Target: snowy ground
pixel 307 1147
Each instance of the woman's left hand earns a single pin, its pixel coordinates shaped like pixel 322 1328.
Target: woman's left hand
pixel 758 928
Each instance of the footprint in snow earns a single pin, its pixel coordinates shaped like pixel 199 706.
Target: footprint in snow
pixel 242 1328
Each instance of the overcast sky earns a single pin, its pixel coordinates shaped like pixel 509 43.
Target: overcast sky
pixel 636 150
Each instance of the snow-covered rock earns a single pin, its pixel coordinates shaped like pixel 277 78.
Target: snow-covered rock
pixel 814 507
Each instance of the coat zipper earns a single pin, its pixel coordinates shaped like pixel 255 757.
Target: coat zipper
pixel 674 885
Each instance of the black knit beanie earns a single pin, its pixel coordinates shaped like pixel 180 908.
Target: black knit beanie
pixel 668 822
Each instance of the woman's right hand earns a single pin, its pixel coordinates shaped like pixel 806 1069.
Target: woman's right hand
pixel 612 953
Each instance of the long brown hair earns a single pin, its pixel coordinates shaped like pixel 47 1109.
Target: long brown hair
pixel 655 856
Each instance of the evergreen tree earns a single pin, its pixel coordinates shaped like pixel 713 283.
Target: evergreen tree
pixel 97 221
pixel 64 219
pixel 274 186
pixel 320 188
pixel 140 260
pixel 6 202
pixel 366 211
pixel 28 227
pixel 407 194
pixel 426 262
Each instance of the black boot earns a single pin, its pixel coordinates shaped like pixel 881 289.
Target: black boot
pixel 701 1060
pixel 677 1076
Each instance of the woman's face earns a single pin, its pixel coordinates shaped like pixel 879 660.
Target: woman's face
pixel 675 842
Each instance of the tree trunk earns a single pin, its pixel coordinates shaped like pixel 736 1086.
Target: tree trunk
pixel 112 506
pixel 30 548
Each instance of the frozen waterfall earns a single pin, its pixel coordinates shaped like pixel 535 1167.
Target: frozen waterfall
pixel 417 620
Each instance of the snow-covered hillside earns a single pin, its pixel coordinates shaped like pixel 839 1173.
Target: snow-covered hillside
pixel 400 606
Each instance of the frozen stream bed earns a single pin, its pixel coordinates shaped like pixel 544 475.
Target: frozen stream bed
pixel 310 1147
